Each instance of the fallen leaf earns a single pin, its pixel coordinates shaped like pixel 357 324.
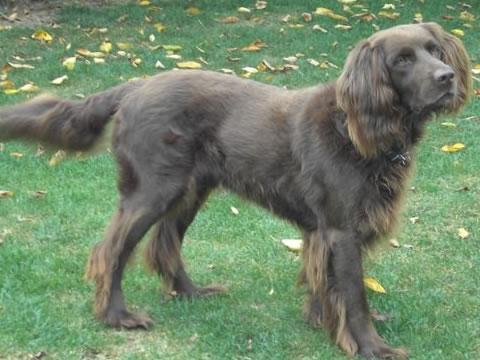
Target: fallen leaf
pixel 448 124
pixel 57 158
pixel 414 219
pixel 257 45
pixel 159 65
pixel 151 38
pixel 329 13
pixel 343 27
pixel 42 35
pixel 466 16
pixel 290 59
pixel 313 62
pixel 453 148
pixel 11 91
pixel 136 62
pixel 69 63
pixel 250 70
pixel 227 71
pixel 173 56
pixel 476 69
pixel 307 17
pixel 21 66
pixel 159 27
pixel 234 210
pixel 6 194
pixel 244 10
pixel 7 84
pixel 173 48
pixel 374 285
pixel 463 233
pixel 394 243
pixel 192 10
pixel 59 80
pixel 347 2
pixel 229 20
pixel 123 46
pixel 458 32
pixel 88 53
pixel 388 7
pixel 99 60
pixel 106 47
pixel 418 18
pixel 16 155
pixel 144 2
pixel 189 65
pixel 29 88
pixel 38 194
pixel 389 15
pixel 260 5
pixel 295 245
pixel 317 27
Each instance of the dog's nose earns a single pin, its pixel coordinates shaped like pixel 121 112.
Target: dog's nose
pixel 444 76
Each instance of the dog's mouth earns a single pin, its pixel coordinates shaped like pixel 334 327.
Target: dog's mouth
pixel 437 104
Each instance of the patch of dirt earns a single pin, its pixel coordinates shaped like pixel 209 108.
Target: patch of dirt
pixel 34 13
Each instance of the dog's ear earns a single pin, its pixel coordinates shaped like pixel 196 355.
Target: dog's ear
pixel 365 93
pixel 455 55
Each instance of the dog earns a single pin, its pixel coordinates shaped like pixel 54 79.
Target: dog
pixel 332 159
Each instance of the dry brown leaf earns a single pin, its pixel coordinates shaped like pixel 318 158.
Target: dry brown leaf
pixel 257 45
pixel 159 27
pixel 6 194
pixel 38 194
pixel 192 10
pixel 7 84
pixel 229 20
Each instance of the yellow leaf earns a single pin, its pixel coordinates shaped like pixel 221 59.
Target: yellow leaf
pixel 6 193
pixel 295 245
pixel 244 10
pixel 11 91
pixel 99 60
pixel 7 84
pixel 463 233
pixel 124 46
pixel 106 46
pixel 16 155
pixel 69 63
pixel 136 62
pixel 453 148
pixel 374 285
pixel 466 16
pixel 29 88
pixel 59 80
pixel 193 10
pixel 389 14
pixel 143 2
pixel 343 27
pixel 42 35
pixel 172 47
pixel 329 13
pixel 458 32
pixel 57 158
pixel 476 69
pixel 448 124
pixel 189 65
pixel 159 27
pixel 88 53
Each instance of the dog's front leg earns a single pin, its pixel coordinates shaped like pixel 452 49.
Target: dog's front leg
pixel 337 300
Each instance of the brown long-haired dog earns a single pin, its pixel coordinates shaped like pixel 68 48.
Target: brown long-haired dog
pixel 332 159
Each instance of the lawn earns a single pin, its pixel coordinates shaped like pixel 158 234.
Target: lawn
pixel 57 211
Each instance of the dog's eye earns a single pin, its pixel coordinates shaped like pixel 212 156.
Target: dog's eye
pixel 404 59
pixel 434 50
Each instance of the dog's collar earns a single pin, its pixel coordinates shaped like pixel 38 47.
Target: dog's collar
pixel 401 158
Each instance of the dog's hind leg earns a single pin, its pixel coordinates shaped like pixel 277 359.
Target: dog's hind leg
pixel 137 212
pixel 163 253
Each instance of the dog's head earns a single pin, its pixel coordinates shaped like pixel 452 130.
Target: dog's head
pixel 405 69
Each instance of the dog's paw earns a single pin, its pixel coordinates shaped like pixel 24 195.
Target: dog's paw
pixel 383 352
pixel 127 320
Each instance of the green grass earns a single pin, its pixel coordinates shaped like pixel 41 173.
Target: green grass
pixel 45 304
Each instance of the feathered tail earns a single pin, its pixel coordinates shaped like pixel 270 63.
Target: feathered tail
pixel 65 124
